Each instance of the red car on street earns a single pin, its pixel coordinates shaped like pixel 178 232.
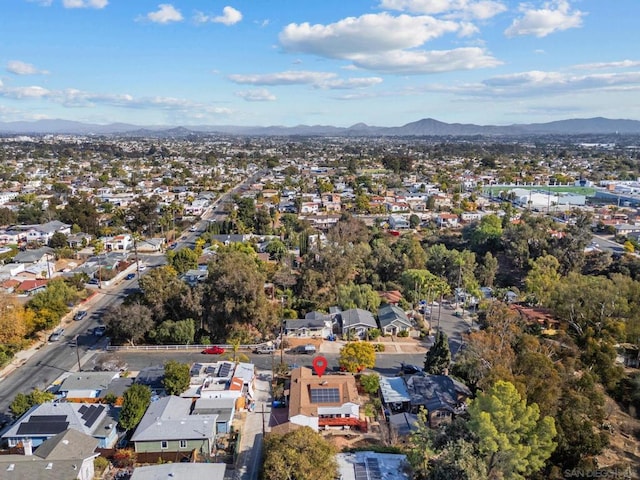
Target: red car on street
pixel 214 350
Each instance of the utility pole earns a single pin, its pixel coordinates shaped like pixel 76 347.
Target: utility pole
pixel 78 354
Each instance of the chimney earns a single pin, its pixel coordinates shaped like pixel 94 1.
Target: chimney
pixel 28 447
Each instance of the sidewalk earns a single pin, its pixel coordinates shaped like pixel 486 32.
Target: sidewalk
pixel 391 345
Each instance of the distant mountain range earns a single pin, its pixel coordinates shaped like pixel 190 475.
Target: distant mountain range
pixel 422 128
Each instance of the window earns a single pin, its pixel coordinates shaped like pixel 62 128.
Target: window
pixel 164 445
pixel 183 444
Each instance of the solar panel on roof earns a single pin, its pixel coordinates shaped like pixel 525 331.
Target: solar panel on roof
pixel 325 395
pixel 31 428
pixel 224 370
pixel 47 418
pixel 360 471
pixel 92 415
pixel 373 467
pixel 83 409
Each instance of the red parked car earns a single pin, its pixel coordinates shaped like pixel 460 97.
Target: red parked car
pixel 214 350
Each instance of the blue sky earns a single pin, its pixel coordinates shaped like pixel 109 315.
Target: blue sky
pixel 291 62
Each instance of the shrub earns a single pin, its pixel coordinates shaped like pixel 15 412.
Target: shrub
pixel 370 383
pixel 378 347
pixel 100 464
pixel 403 333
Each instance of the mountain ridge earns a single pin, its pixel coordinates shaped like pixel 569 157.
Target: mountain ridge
pixel 422 127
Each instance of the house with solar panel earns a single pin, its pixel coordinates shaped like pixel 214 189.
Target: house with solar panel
pixel 326 402
pixel 373 466
pixel 169 426
pixel 44 421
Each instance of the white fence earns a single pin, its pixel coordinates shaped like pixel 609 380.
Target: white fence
pixel 120 348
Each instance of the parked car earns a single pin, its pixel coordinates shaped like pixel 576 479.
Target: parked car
pixel 409 369
pixel 265 349
pixel 56 335
pixel 99 331
pixel 130 276
pixel 80 315
pixel 94 281
pixel 213 350
pixel 308 349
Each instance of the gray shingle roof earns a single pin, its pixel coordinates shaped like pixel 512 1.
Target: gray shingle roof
pixel 391 314
pixel 169 419
pixel 182 471
pixel 356 316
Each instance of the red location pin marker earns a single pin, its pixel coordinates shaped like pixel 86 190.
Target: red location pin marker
pixel 319 365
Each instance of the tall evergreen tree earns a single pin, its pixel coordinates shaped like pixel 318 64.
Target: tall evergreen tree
pixel 438 357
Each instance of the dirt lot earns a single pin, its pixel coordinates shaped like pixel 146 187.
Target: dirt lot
pixel 624 448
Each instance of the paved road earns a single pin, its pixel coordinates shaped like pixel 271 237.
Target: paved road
pixel 53 359
pixel 606 243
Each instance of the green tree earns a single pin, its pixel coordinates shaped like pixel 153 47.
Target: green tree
pixel 356 356
pixel 135 402
pixel 23 402
pixel 176 377
pixel 276 249
pixel 513 440
pixel 182 260
pixel 129 322
pixel 487 270
pixel 438 357
pixel 358 296
pixel 171 332
pixel 543 278
pixel 485 235
pixel 58 240
pixel 234 295
pixel 370 383
pixel 299 455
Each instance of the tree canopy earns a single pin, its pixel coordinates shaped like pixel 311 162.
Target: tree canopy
pixel 176 377
pixel 513 440
pixel 356 356
pixel 135 402
pixel 299 455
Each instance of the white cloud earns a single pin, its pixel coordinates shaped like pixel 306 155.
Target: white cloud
pixel 386 43
pixel 602 65
pixel 166 13
pixel 539 83
pixel 554 16
pixel 480 10
pixel 230 16
pixel 350 83
pixel 260 95
pixel 323 80
pixel 21 68
pixel 283 78
pixel 85 3
pixel 367 34
pixel 421 62
pixel 74 98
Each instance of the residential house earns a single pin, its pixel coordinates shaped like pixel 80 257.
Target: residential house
pixel 315 324
pixel 372 465
pixel 44 421
pixel 151 245
pixel 440 395
pixel 181 471
pixel 447 220
pixel 393 320
pixel 398 222
pixel 395 396
pixel 119 243
pixel 169 427
pixel 31 287
pixel 65 456
pixel 86 384
pixel 357 322
pixel 39 255
pixel 323 402
pixel 392 297
pixel 224 408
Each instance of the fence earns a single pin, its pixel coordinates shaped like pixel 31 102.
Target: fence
pixel 121 348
